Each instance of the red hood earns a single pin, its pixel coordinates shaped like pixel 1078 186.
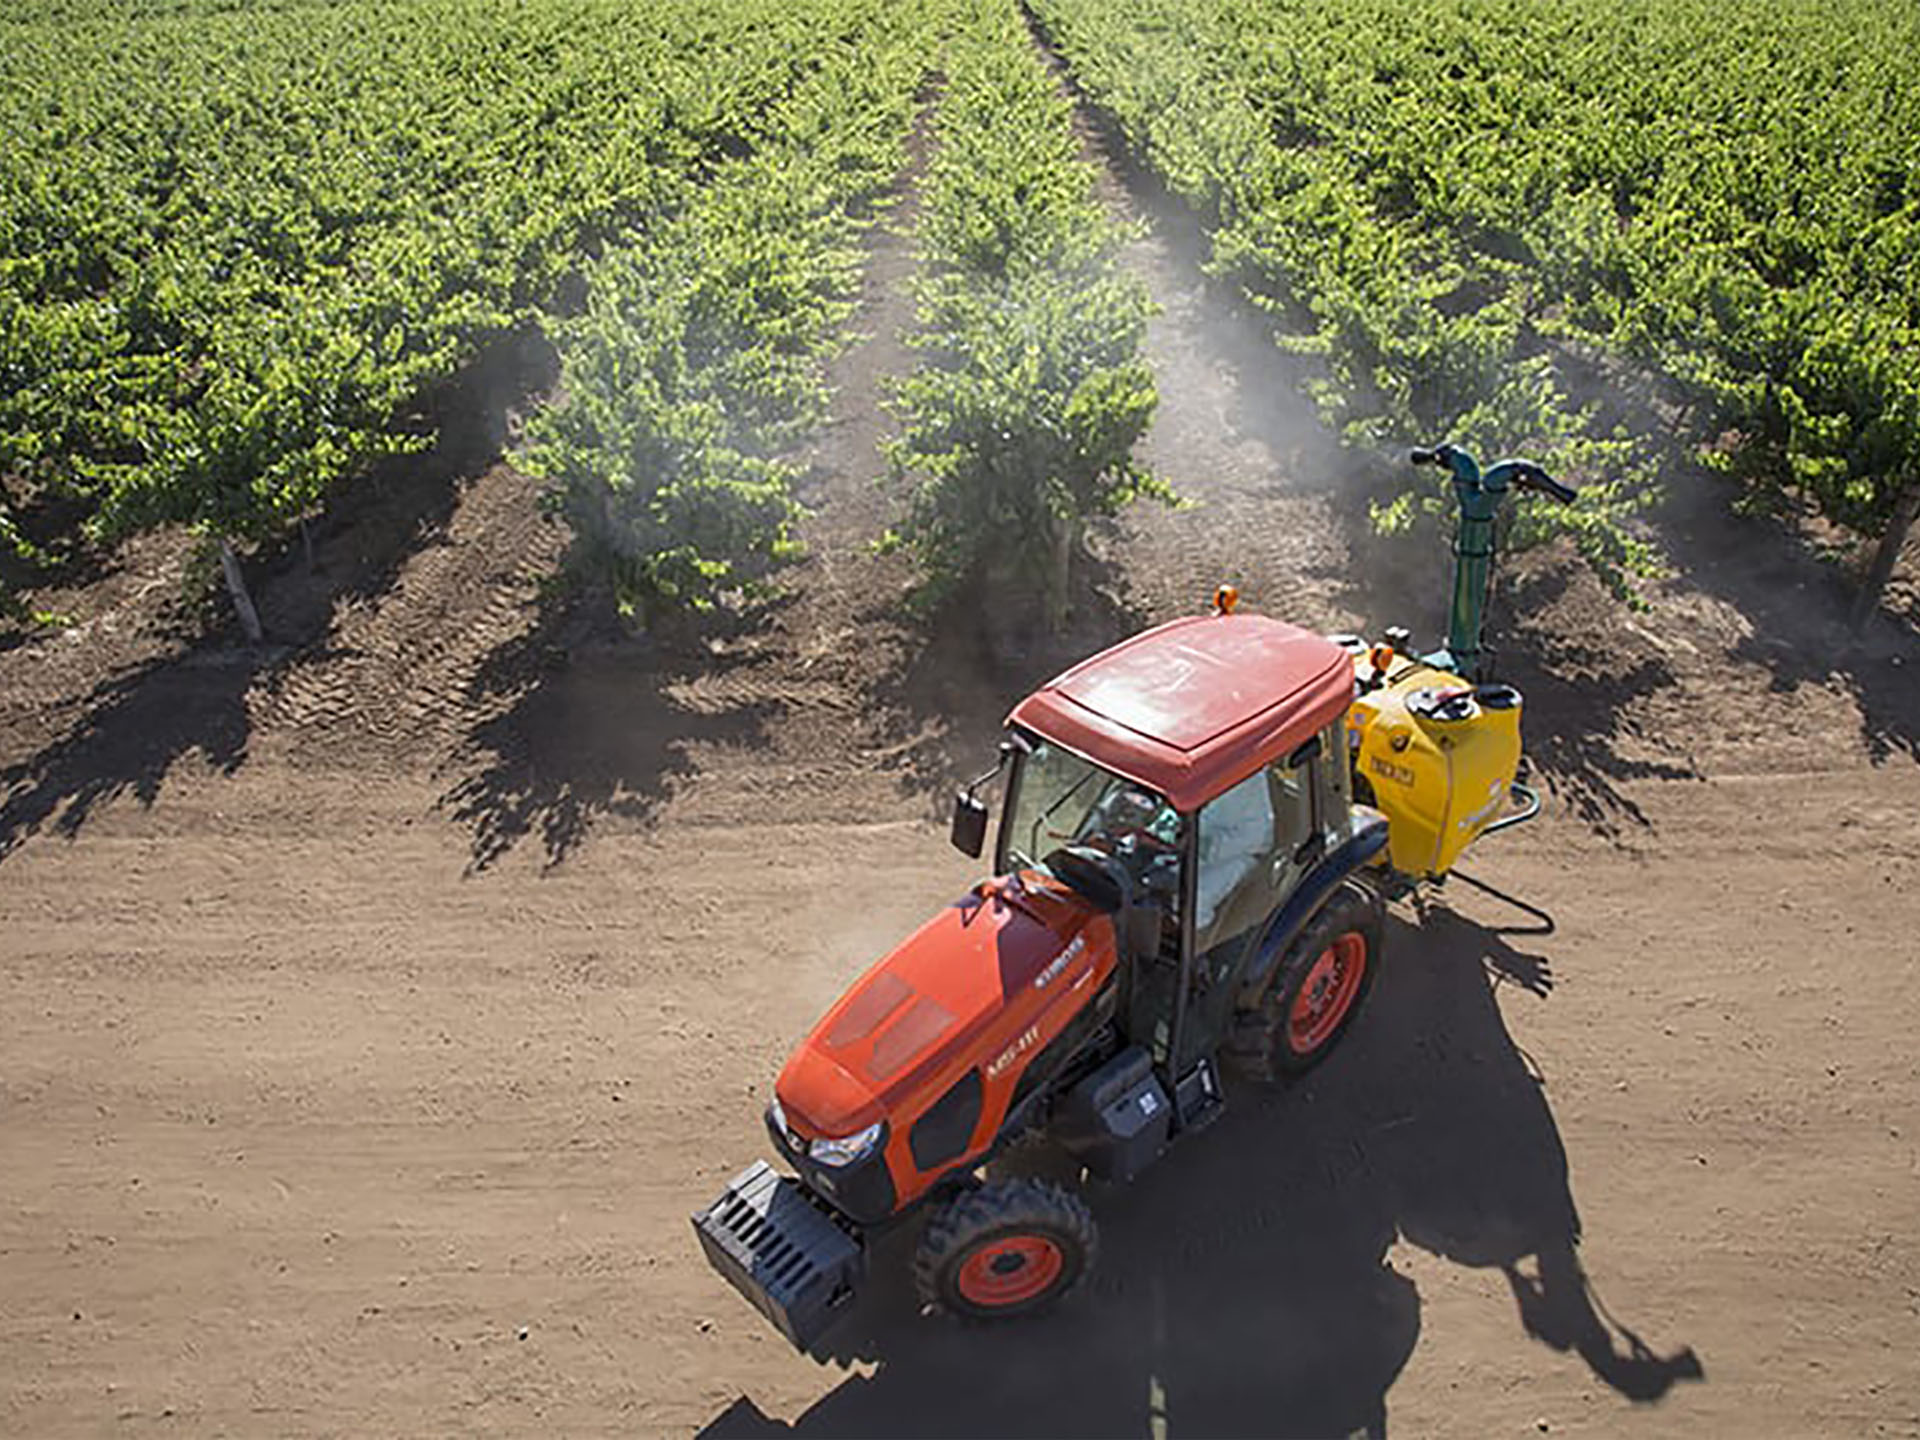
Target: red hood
pixel 937 993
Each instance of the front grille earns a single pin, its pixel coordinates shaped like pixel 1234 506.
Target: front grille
pixel 792 1258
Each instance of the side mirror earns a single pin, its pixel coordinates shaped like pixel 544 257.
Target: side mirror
pixel 969 833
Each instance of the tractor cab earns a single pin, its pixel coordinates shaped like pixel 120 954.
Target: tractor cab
pixel 1188 781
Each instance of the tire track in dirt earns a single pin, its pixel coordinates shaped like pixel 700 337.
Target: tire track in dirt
pixel 391 680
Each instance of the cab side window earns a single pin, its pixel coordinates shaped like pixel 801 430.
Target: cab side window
pixel 1247 841
pixel 1251 850
pixel 1293 799
pixel 1236 835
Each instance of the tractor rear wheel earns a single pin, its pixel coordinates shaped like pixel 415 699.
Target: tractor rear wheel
pixel 1316 989
pixel 1009 1247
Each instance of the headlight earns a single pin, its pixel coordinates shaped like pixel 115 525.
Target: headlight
pixel 778 1117
pixel 846 1150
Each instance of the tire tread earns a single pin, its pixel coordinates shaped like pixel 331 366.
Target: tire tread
pixel 1256 1042
pixel 995 1207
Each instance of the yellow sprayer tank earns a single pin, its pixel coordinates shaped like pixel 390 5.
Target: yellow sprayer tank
pixel 1440 755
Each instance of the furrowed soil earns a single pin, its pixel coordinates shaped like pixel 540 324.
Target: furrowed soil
pixel 376 1006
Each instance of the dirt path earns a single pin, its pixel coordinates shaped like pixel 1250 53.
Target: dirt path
pixel 374 1011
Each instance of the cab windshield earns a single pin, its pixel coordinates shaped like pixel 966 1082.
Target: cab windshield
pixel 1060 799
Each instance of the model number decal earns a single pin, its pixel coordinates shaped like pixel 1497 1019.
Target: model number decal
pixel 1060 962
pixel 1014 1051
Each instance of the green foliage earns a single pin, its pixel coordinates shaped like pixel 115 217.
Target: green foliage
pixel 696 365
pixel 1436 196
pixel 1020 420
pixel 239 241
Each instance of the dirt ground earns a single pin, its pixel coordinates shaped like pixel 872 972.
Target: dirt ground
pixel 375 1007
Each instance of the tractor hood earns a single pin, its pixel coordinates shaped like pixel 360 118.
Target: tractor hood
pixel 936 1003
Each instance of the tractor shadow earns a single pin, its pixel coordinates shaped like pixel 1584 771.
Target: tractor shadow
pixel 1468 1147
pixel 1245 1285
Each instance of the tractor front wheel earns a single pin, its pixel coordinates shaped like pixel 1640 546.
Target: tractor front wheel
pixel 1009 1247
pixel 1316 989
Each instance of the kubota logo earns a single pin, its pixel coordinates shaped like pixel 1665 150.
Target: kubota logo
pixel 1060 962
pixel 1014 1051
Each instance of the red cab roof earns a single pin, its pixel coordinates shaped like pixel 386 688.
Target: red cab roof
pixel 1192 707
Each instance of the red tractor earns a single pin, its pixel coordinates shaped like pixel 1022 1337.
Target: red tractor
pixel 1197 829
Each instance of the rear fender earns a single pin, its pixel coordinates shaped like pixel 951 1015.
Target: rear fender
pixel 1316 887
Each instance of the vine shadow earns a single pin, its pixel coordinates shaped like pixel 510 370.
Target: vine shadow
pixel 1796 599
pixel 582 720
pixel 134 727
pixel 1245 1284
pixel 1583 695
pixel 936 713
pixel 138 722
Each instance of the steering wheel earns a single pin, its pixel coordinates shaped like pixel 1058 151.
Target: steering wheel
pixel 1091 872
pixel 1136 837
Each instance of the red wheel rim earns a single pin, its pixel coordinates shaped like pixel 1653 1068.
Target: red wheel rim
pixel 1328 993
pixel 1010 1270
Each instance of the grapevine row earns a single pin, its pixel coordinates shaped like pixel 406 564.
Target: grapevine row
pixel 1021 417
pixel 695 369
pixel 1446 200
pixel 1417 332
pixel 237 244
